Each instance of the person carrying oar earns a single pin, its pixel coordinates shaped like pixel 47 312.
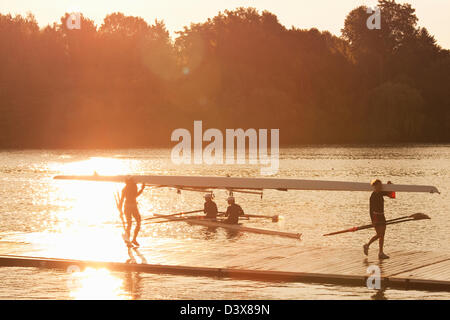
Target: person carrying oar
pixel 377 217
pixel 129 194
pixel 210 207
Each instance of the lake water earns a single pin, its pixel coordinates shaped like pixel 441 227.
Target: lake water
pixel 41 216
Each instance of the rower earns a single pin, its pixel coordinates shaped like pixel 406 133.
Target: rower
pixel 210 207
pixel 233 211
pixel 377 216
pixel 129 194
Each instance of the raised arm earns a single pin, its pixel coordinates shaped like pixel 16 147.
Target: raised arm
pixel 389 193
pixel 140 191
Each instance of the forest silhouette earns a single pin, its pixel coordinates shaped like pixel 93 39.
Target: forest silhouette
pixel 127 83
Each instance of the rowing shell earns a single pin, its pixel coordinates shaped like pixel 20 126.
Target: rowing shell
pixel 209 223
pixel 232 183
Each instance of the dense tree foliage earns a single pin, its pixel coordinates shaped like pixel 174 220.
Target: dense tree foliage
pixel 127 83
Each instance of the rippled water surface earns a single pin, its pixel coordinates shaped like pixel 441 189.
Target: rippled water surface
pixel 39 215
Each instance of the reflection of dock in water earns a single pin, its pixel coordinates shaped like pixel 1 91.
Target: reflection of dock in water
pixel 420 270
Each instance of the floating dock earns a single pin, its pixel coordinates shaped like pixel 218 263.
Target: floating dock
pixel 415 270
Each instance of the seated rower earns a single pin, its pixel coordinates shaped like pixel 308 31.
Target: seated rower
pixel 210 207
pixel 233 211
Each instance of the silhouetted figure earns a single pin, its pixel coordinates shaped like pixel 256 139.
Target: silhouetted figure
pixel 129 194
pixel 210 207
pixel 377 217
pixel 233 211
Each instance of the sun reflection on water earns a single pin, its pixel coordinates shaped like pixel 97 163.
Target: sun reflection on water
pixel 101 165
pixel 96 284
pixel 87 224
pixel 87 227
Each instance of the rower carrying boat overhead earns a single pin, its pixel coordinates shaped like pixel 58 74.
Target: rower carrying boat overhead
pixel 377 216
pixel 129 194
pixel 234 211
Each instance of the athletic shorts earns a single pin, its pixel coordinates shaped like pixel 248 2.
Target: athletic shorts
pixel 377 217
pixel 131 210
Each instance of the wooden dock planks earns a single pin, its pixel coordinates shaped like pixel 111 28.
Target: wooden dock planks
pixel 346 266
pixel 439 271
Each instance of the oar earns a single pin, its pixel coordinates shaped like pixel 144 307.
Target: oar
pixel 180 219
pixel 125 235
pixel 170 218
pixel 413 217
pixel 174 215
pixel 405 220
pixel 117 198
pixel 244 217
pixel 273 218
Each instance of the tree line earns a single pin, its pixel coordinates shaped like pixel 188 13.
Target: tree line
pixel 127 83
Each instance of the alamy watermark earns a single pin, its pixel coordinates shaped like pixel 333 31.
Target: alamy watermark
pixel 73 282
pixel 374 280
pixel 213 153
pixel 74 21
pixel 374 20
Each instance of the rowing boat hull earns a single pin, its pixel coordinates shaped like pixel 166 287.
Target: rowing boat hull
pixel 247 229
pixel 209 223
pixel 232 183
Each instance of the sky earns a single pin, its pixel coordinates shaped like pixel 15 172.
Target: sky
pixel 322 14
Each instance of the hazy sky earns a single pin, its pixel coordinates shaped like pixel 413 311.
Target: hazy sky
pixel 323 14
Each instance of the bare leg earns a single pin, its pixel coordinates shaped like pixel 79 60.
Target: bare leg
pixel 137 229
pixel 381 240
pixel 374 238
pixel 129 222
pixel 381 243
pixel 137 216
pixel 128 230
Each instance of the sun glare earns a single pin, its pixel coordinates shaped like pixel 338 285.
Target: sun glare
pixel 95 284
pixel 102 166
pixel 88 225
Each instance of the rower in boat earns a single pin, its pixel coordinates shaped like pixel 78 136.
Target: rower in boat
pixel 233 211
pixel 129 194
pixel 377 216
pixel 210 207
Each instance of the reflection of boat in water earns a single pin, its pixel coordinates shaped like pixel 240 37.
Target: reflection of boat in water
pixel 234 227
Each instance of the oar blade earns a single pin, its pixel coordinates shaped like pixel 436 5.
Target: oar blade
pixel 419 216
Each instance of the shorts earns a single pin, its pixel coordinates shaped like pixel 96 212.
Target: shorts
pixel 131 210
pixel 377 220
pixel 377 217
